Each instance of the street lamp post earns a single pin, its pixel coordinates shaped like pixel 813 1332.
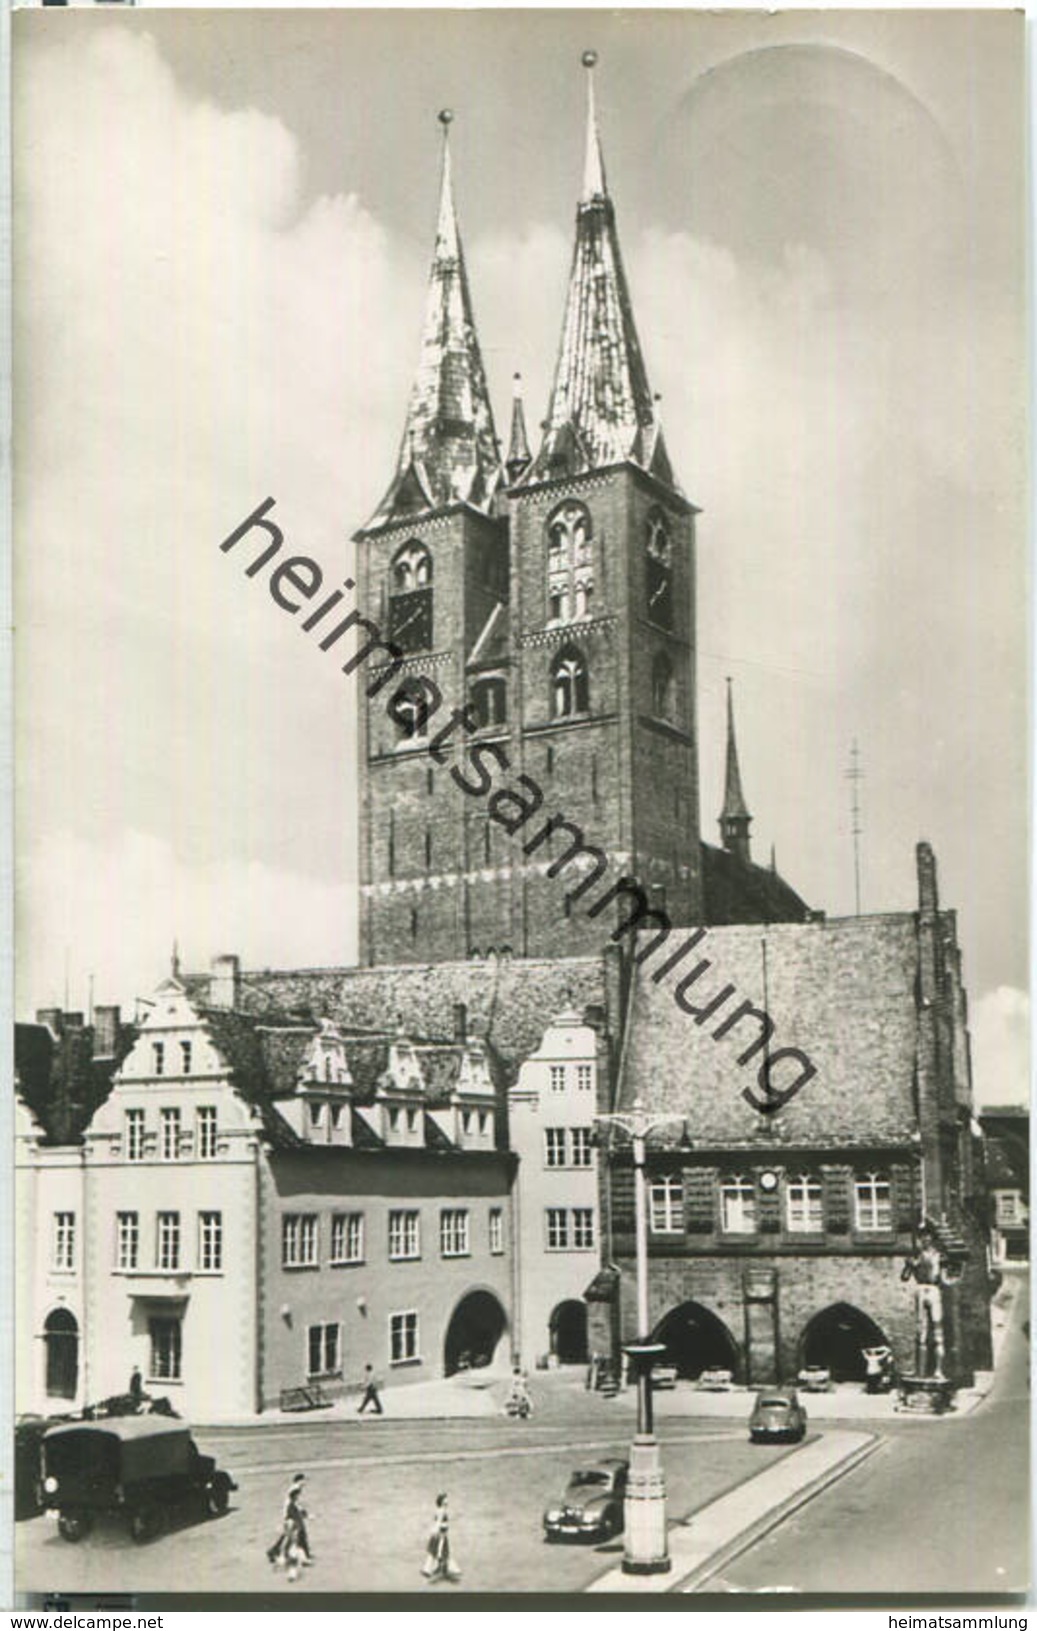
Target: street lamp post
pixel 645 1550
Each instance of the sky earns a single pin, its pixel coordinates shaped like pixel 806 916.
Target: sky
pixel 223 223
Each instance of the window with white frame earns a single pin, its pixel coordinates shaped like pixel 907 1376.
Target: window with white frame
pixel 557 1228
pixel 299 1240
pixel 403 1236
pixel 185 1058
pixel 63 1249
pixel 496 1230
pixel 584 1078
pixel 557 1078
pixel 738 1205
pixel 210 1242
pixel 581 1146
pixel 554 1146
pixel 158 1058
pixel 167 1241
pixel 453 1232
pixel 804 1205
pixel 873 1203
pixel 322 1346
pixel 169 1142
pixel 134 1122
pixel 165 1344
pixel 206 1125
pixel 347 1237
pixel 127 1239
pixel 666 1204
pixel 403 1337
pixel 583 1227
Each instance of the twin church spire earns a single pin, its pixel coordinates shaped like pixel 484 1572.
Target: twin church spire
pixel 601 410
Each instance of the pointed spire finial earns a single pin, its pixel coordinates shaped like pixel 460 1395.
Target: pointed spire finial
pixel 734 817
pixel 519 455
pixel 594 165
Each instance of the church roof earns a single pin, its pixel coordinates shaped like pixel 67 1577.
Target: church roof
pixel 449 454
pixel 843 992
pixel 739 891
pixel 601 410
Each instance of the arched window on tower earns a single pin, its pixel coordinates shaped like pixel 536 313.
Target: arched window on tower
pixel 410 597
pixel 490 701
pixel 658 571
pixel 570 563
pixel 411 705
pixel 570 691
pixel 664 689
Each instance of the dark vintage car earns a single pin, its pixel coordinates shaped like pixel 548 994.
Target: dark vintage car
pixel 140 1467
pixel 777 1414
pixel 592 1506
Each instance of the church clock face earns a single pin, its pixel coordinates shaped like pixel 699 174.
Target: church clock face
pixel 410 620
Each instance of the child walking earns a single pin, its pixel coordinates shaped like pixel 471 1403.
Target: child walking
pixel 438 1564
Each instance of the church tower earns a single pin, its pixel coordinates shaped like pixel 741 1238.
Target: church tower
pixel 603 604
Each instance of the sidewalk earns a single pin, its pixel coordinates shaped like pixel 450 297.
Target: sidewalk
pixel 710 1537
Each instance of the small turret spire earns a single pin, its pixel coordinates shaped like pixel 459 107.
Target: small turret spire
pixel 449 452
pixel 519 455
pixel 593 165
pixel 734 817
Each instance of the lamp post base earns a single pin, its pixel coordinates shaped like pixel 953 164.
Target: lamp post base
pixel 644 1510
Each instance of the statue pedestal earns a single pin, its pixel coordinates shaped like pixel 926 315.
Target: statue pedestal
pixel 926 1395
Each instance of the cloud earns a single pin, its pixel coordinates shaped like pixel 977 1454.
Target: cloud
pixel 1000 1026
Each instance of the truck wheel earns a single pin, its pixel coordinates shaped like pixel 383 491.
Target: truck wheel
pixel 145 1523
pixel 73 1525
pixel 217 1498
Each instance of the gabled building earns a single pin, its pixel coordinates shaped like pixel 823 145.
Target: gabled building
pixel 1006 1159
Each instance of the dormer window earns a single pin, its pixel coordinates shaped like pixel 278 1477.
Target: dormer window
pixel 570 563
pixel 570 691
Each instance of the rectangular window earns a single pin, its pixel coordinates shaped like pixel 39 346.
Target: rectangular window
pixel 557 1078
pixel 738 1206
pixel 874 1204
pixel 185 1058
pixel 158 1054
pixel 453 1232
pixel 1009 1209
pixel 165 1350
pixel 134 1135
pixel 804 1208
pixel 584 1078
pixel 299 1240
pixel 557 1228
pixel 127 1240
pixel 403 1338
pixel 554 1146
pixel 210 1242
pixel 496 1230
pixel 169 1144
pixel 666 1204
pixel 206 1132
pixel 63 1255
pixel 403 1236
pixel 167 1241
pixel 347 1237
pixel 583 1227
pixel 323 1350
pixel 582 1146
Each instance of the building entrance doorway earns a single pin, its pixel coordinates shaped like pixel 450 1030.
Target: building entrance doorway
pixel 568 1330
pixel 836 1338
pixel 61 1337
pixel 697 1340
pixel 476 1327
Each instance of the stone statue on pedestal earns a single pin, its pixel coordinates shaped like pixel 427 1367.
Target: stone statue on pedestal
pixel 931 1271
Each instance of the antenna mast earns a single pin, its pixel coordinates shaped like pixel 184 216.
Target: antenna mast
pixel 855 775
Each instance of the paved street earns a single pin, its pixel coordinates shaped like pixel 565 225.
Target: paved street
pixel 941 1507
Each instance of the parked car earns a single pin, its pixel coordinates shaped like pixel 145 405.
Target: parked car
pixel 777 1414
pixel 592 1506
pixel 140 1467
pixel 664 1376
pixel 714 1379
pixel 815 1379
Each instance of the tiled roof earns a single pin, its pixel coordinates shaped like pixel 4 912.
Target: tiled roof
pixel 737 891
pixel 842 992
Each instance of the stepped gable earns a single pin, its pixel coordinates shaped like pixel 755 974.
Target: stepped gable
pixel 739 891
pixel 843 992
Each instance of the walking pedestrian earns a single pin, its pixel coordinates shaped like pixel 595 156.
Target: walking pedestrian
pixel 292 1546
pixel 370 1393
pixel 136 1389
pixel 439 1564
